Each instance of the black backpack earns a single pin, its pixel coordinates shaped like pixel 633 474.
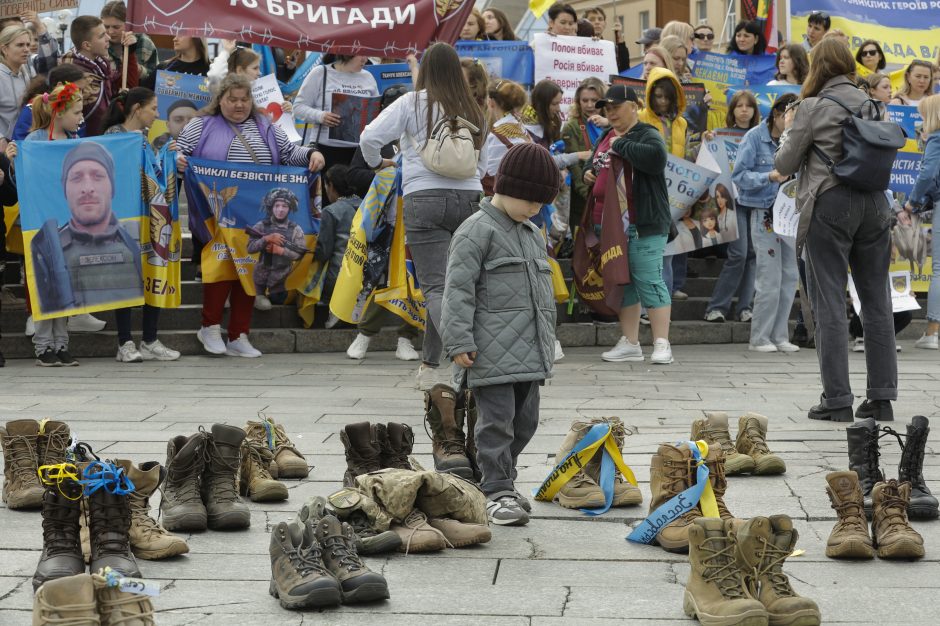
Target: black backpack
pixel 869 148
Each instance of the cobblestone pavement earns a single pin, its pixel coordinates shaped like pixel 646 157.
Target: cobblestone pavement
pixel 563 568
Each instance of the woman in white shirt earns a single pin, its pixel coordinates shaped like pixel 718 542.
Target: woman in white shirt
pixel 506 99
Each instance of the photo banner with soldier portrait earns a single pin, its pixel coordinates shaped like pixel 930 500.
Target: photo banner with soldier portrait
pixel 161 240
pixel 710 218
pixel 82 215
pixel 260 227
pixel 179 96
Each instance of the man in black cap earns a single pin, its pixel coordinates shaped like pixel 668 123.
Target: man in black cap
pixel 92 259
pixel 177 116
pixel 650 38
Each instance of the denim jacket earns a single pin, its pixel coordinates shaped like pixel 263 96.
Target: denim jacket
pixel 754 162
pixel 927 186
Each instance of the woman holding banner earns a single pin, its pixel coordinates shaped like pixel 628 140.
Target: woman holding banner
pixel 231 128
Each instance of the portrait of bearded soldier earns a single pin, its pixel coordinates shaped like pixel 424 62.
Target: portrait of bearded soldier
pixel 279 241
pixel 92 259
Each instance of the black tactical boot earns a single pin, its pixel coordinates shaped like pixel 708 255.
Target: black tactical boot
pixel 61 547
pixel 108 501
pixel 224 509
pixel 881 410
pixel 862 439
pixel 396 442
pixel 181 507
pixel 467 418
pixel 923 504
pixel 363 451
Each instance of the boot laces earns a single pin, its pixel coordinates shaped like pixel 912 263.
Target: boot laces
pixel 22 456
pixel 184 477
pixel 756 437
pixel 770 563
pixel 111 521
pixel 912 456
pixel 893 510
pixel 674 482
pixel 59 537
pixel 416 521
pixel 722 437
pixel 341 552
pixel 260 457
pixel 872 454
pixel 721 567
pixel 68 614
pixel 140 515
pixel 307 560
pixel 451 445
pixel 851 515
pixel 56 443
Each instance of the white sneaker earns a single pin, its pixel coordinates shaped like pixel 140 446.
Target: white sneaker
pixel 156 351
pixel 786 346
pixel 30 327
pixel 211 339
pixel 358 348
pixel 746 315
pixel 715 316
pixel 85 323
pixel 559 353
pixel 662 352
pixel 331 321
pixel 262 303
pixel 242 347
pixel 644 319
pixel 858 345
pixel 624 351
pixel 128 353
pixel 764 347
pixel 405 350
pixel 426 377
pixel 927 342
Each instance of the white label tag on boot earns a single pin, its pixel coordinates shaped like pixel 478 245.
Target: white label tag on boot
pixel 139 586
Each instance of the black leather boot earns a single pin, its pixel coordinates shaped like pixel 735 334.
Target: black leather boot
pixel 862 439
pixel 923 504
pixel 61 548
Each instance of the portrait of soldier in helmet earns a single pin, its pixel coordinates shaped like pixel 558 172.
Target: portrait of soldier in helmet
pixel 279 241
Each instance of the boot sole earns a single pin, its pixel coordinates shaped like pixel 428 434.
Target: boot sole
pixel 842 416
pixel 368 592
pixel 923 512
pixel 755 617
pixel 631 500
pixel 773 467
pixel 186 521
pixel 463 472
pixel 806 617
pixel 584 502
pixel 230 521
pixel 316 598
pixel 677 548
pixel 903 549
pixel 385 542
pixel 851 549
pixel 272 493
pixel 157 555
pixel 292 473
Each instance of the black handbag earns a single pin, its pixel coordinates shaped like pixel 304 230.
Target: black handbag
pixel 869 148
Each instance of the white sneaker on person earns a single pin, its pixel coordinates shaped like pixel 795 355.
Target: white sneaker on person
pixel 623 351
pixel 927 342
pixel 764 347
pixel 358 348
pixel 262 303
pixel 211 339
pixel 85 323
pixel 715 316
pixel 679 295
pixel 331 321
pixel 156 351
pixel 559 353
pixel 405 350
pixel 30 327
pixel 786 346
pixel 644 319
pixel 127 353
pixel 858 345
pixel 662 352
pixel 242 347
pixel 746 315
pixel 506 511
pixel 426 377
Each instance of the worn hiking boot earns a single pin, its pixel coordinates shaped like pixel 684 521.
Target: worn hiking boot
pixel 121 607
pixel 61 510
pixel 713 430
pixel 862 440
pixel 448 442
pixel 849 538
pixel 107 494
pixel 255 480
pixel 625 494
pixel 350 506
pixel 923 504
pixel 54 440
pixel 149 540
pixel 715 461
pixel 181 506
pixel 21 486
pixel 763 544
pixel 582 490
pixel 363 453
pixel 466 411
pixel 752 441
pixel 892 533
pixel 672 471
pixel 417 535
pixel 357 582
pixel 716 592
pixel 224 509
pixel 299 580
pixel 395 442
pixel 288 461
pixel 461 534
pixel 67 600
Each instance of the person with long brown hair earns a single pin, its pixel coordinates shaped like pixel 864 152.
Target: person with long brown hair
pixel 918 81
pixel 434 205
pixel 475 28
pixel 792 65
pixel 840 224
pixel 582 131
pixel 497 26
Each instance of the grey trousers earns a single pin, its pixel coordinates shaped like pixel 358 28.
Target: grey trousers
pixel 507 416
pixel 431 217
pixel 851 228
pixel 52 333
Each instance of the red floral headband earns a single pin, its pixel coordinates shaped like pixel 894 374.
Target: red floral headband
pixel 59 101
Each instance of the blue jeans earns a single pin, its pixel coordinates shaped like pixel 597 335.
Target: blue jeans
pixel 737 275
pixel 933 296
pixel 777 278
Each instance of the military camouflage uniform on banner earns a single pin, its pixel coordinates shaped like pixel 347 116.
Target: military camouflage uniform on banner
pixel 398 492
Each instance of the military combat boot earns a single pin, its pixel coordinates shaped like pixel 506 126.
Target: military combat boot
pixel 255 480
pixel 299 580
pixel 625 494
pixel 396 442
pixel 461 534
pixel 107 496
pixel 224 509
pixel 350 506
pixel 21 486
pixel 363 452
pixel 923 504
pixel 181 506
pixel 417 535
pixel 582 490
pixel 672 471
pixel 54 440
pixel 894 538
pixel 752 441
pixel 61 510
pixel 715 461
pixel 448 442
pixel 68 600
pixel 149 540
pixel 357 582
pixel 849 538
pixel 466 410
pixel 122 608
pixel 763 544
pixel 862 437
pixel 713 430
pixel 716 592
pixel 288 461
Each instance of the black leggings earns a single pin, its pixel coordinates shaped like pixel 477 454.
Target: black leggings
pixel 151 318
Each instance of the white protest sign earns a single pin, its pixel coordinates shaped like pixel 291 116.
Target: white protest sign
pixel 902 299
pixel 786 217
pixel 685 183
pixel 567 61
pixel 268 97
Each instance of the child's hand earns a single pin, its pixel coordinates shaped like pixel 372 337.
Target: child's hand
pixel 466 359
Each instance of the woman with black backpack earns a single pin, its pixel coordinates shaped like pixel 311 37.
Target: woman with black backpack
pixel 842 222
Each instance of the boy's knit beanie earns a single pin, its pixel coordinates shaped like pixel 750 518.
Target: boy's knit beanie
pixel 528 172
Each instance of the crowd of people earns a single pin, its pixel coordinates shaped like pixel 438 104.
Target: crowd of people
pixel 51 94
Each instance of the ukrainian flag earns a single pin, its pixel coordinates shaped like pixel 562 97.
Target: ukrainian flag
pixel 538 7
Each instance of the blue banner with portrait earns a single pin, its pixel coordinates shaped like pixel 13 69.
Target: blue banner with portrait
pixel 81 210
pixel 734 69
pixel 908 117
pixel 512 60
pixel 179 96
pixel 389 74
pixel 161 240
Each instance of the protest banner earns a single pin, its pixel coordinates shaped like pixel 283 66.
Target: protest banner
pixel 734 69
pixel 370 27
pixel 786 217
pixel 696 110
pixel 511 60
pixel 260 222
pixel 268 97
pixel 730 139
pixel 904 174
pixel 402 296
pixel 81 213
pixel 911 252
pixel 910 119
pixel 179 96
pixel 902 296
pixel 711 219
pixel 16 8
pixel 569 60
pixel 685 183
pixel 388 74
pixel 355 113
pixel 161 241
pixel 766 95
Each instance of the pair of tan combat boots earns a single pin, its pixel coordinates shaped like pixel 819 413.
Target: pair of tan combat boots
pixel 89 599
pixel 748 453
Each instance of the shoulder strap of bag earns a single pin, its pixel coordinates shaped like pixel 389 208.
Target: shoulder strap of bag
pixel 247 146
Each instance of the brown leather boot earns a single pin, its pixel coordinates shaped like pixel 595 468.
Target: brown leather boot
pixel 894 537
pixel 149 540
pixel 255 479
pixel 224 509
pixel 752 441
pixel 849 538
pixel 21 486
pixel 713 430
pixel 672 471
pixel 288 461
pixel 363 451
pixel 448 442
pixel 396 442
pixel 54 440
